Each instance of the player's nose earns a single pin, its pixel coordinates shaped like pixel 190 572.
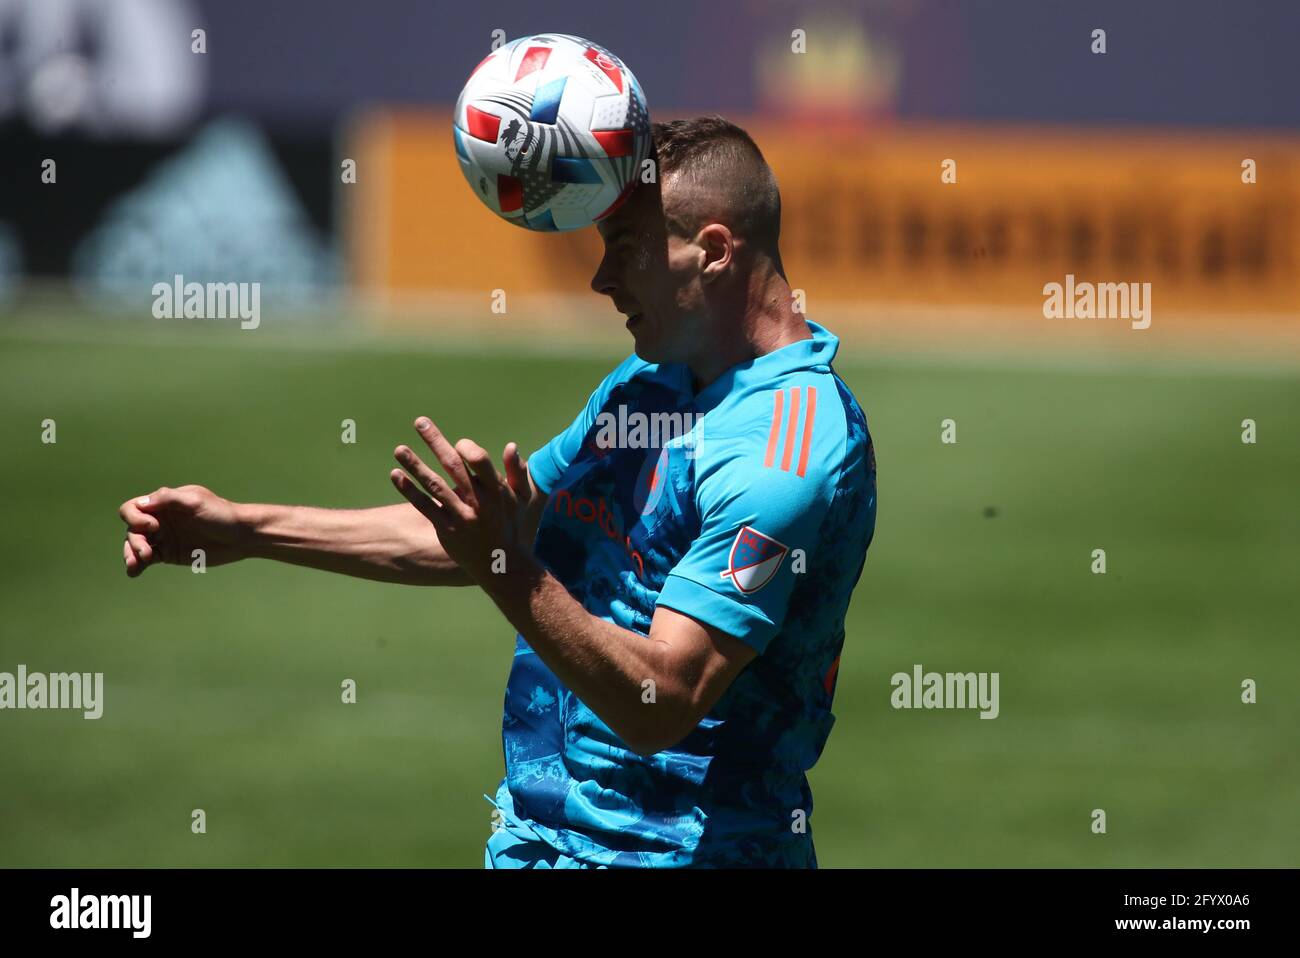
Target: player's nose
pixel 603 281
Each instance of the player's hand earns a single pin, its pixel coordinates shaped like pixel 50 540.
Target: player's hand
pixel 480 512
pixel 167 525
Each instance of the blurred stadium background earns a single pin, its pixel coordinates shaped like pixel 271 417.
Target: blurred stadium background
pixel 1119 691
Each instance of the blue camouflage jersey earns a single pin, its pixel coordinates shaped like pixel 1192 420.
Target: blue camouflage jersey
pixel 748 506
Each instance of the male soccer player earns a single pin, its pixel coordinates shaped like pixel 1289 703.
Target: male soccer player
pixel 678 562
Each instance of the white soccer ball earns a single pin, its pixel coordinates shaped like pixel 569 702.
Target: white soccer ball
pixel 551 132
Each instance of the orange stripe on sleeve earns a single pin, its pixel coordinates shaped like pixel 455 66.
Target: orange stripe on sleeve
pixel 791 430
pixel 776 427
pixel 808 429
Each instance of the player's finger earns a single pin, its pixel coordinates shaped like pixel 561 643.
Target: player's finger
pixel 516 474
pixel 133 567
pixel 136 519
pixel 165 497
pixel 448 457
pixel 480 464
pixel 142 549
pixel 427 507
pixel 421 473
pixel 164 547
pixel 433 483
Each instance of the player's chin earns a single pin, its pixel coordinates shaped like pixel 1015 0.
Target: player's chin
pixel 645 346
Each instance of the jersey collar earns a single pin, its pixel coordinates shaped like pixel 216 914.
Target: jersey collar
pixel 813 353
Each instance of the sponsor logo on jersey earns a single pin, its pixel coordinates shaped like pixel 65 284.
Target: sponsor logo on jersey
pixel 597 512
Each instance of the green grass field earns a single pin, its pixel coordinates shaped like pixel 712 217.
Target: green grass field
pixel 1118 691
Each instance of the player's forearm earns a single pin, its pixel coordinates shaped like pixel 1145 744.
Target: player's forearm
pixel 387 543
pixel 606 666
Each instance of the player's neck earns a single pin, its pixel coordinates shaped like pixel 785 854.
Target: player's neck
pixel 768 322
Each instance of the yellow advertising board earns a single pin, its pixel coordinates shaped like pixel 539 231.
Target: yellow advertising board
pixel 931 215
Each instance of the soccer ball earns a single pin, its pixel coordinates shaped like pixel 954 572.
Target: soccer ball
pixel 551 132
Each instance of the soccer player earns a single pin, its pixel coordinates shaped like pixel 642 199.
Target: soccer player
pixel 677 562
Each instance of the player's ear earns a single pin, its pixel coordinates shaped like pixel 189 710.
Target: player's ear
pixel 718 246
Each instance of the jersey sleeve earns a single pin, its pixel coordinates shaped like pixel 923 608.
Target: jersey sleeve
pixel 739 573
pixel 548 463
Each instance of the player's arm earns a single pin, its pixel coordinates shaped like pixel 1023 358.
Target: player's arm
pixel 608 667
pixel 391 543
pixel 387 543
pixel 686 664
pixel 383 543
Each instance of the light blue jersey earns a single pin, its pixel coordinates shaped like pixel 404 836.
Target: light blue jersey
pixel 748 506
